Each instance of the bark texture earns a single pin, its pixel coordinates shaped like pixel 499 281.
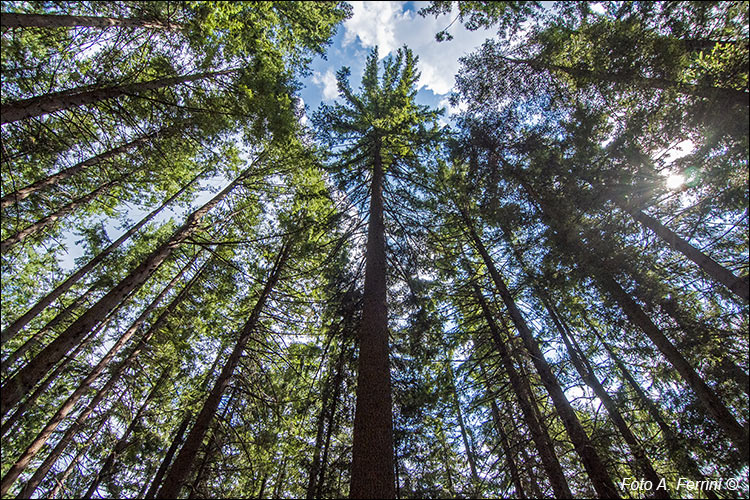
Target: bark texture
pixel 59 101
pixel 372 455
pixel 16 20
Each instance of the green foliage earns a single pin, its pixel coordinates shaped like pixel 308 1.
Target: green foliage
pixel 573 112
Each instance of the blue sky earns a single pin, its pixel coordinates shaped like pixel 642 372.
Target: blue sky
pixel 390 25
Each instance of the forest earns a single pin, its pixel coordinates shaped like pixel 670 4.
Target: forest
pixel 212 290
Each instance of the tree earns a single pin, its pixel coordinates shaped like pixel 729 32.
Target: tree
pixel 386 130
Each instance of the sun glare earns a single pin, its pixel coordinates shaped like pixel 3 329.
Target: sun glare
pixel 675 181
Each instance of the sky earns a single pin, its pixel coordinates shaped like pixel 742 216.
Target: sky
pixel 389 26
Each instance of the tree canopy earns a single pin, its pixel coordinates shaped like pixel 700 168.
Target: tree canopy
pixel 536 297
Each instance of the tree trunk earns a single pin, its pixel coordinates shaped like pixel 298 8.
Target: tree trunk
pixel 511 464
pixel 45 222
pixel 33 483
pixel 708 398
pixel 38 336
pixel 118 371
pixel 16 20
pixel 209 449
pixel 332 412
pixel 593 266
pixel 696 330
pixel 462 428
pixel 21 322
pixel 677 452
pixel 315 468
pixel 522 390
pixel 593 464
pixel 176 441
pixel 446 459
pixel 731 96
pixel 184 461
pixel 84 386
pixel 33 372
pixel 738 286
pixel 372 474
pixel 52 180
pixel 280 479
pixel 52 377
pixel 101 327
pixel 58 101
pixel 61 480
pixel 122 442
pixel 586 372
pixel 533 482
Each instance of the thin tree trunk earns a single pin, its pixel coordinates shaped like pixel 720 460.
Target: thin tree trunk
pixel 16 20
pixel 446 458
pixel 462 428
pixel 176 441
pixel 738 286
pixel 209 448
pixel 101 327
pixel 372 474
pixel 319 436
pixel 315 466
pixel 332 413
pixel 177 438
pixel 38 336
pixel 61 480
pixel 588 375
pixel 184 461
pixel 30 375
pixel 733 96
pixel 52 180
pixel 21 322
pixel 695 330
pixel 710 401
pixel 523 393
pixel 593 464
pixel 47 221
pixel 676 451
pixel 84 386
pixel 33 483
pixel 585 371
pixel 533 481
pixel 594 267
pixel 511 464
pixel 52 377
pixel 82 452
pixel 49 103
pixel 122 442
pixel 280 479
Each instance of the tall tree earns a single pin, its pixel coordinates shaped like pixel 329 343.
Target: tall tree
pixel 378 130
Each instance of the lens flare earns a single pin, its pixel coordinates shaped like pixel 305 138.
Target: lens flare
pixel 675 181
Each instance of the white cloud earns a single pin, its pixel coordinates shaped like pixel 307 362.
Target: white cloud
pixel 373 24
pixel 450 109
pixel 301 112
pixel 326 80
pixel 388 26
